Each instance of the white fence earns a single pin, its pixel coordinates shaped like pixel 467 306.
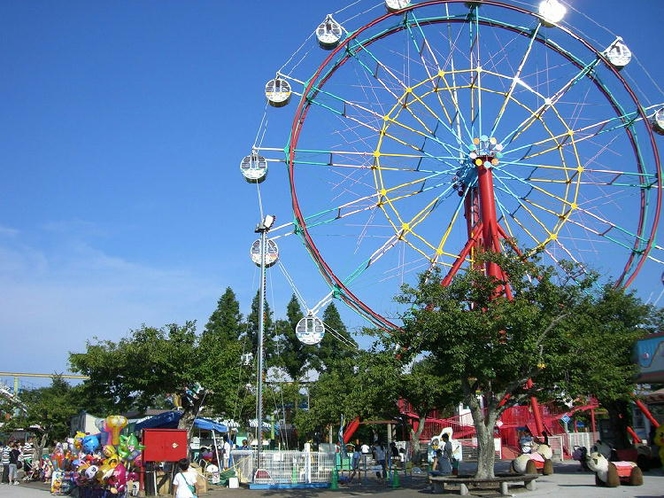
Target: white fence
pixel 572 439
pixel 283 467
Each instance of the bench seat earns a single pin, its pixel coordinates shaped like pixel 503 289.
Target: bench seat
pixel 501 481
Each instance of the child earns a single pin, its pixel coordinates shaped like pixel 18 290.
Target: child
pixel 355 462
pixel 185 481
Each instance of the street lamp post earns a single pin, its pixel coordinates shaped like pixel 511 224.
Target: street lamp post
pixel 261 229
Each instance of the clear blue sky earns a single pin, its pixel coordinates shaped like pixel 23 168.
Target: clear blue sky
pixel 122 126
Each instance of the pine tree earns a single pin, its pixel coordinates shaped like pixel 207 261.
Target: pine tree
pixel 224 368
pixel 337 344
pixel 293 355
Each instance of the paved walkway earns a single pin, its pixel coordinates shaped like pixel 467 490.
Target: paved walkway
pixel 566 482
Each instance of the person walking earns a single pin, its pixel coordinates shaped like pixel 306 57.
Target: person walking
pixel 27 453
pixel 355 462
pixel 185 481
pixel 14 454
pixel 379 456
pixel 226 453
pixel 4 460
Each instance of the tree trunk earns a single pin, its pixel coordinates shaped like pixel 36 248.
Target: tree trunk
pixel 191 407
pixel 619 418
pixel 186 421
pixel 415 439
pixel 39 448
pixel 486 450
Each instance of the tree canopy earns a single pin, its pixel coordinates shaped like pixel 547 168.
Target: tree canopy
pixel 141 368
pixel 494 342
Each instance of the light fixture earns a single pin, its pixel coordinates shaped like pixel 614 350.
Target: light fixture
pixel 266 224
pixel 552 11
pixel 269 221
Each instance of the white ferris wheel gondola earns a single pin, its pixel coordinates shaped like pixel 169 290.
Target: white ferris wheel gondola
pixel 310 330
pixel 278 92
pixel 329 33
pixel 395 5
pixel 618 54
pixel 657 121
pixel 271 253
pixel 254 168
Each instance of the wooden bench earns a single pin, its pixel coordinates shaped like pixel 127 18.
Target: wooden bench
pixel 502 481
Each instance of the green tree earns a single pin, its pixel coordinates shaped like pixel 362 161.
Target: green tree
pixel 365 386
pixel 601 362
pixel 139 369
pixel 225 368
pixel 293 356
pixel 225 322
pixel 655 320
pixel 337 345
pixel 492 333
pixel 51 408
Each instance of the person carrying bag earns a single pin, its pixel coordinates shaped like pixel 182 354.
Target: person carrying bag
pixel 184 482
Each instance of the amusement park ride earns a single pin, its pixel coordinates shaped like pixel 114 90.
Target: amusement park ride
pixel 441 128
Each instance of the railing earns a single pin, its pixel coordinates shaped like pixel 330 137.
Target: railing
pixel 283 467
pixel 511 419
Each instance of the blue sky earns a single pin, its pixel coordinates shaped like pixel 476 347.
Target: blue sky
pixel 122 127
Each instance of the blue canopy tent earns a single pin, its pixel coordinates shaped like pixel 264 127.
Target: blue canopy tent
pixel 169 420
pixel 210 425
pixel 166 420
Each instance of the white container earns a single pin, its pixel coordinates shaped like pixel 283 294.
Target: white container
pixel 233 482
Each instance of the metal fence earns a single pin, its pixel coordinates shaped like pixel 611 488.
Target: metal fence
pixel 283 467
pixel 574 439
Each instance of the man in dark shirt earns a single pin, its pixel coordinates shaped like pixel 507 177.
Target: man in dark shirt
pixel 14 453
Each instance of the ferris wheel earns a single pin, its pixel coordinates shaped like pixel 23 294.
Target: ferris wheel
pixel 437 128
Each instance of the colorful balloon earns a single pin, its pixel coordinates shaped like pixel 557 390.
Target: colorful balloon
pixel 129 448
pixel 90 444
pixel 109 450
pixel 118 480
pixel 78 440
pixel 91 472
pixel 115 424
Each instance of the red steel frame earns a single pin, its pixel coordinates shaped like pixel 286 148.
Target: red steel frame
pixel 484 232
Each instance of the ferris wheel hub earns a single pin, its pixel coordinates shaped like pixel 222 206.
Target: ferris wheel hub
pixel 485 151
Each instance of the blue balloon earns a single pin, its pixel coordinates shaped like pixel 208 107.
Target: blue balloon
pixel 90 444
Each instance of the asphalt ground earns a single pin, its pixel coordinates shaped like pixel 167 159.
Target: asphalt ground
pixel 566 481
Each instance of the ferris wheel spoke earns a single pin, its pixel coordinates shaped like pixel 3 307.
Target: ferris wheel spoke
pixel 475 67
pixel 365 117
pixel 560 252
pixel 432 66
pixel 516 80
pixel 375 68
pixel 550 103
pixel 612 231
pixel 572 137
pixel 527 224
pixel 427 56
pixel 656 254
pixel 341 212
pixel 458 120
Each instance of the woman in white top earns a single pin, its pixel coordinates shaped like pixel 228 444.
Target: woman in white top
pixel 184 482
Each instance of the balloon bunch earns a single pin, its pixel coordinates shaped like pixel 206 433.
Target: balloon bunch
pixel 106 460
